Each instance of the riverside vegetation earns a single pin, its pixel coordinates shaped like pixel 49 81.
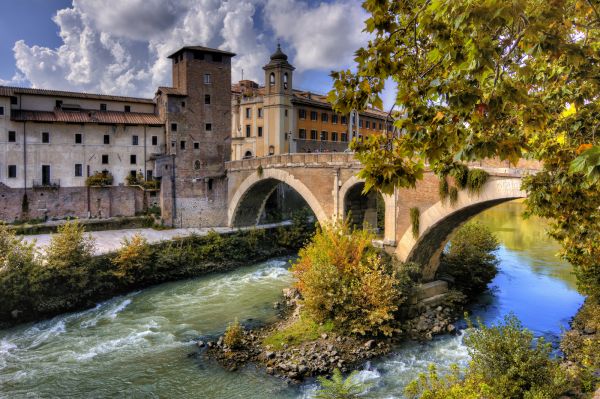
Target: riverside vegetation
pixel 350 302
pixel 67 276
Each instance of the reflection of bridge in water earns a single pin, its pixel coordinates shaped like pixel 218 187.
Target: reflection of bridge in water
pixel 328 184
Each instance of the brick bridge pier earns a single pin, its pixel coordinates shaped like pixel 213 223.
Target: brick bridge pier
pixel 328 184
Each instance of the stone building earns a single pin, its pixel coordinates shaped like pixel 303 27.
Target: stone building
pixel 278 119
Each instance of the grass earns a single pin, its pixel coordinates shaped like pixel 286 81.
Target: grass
pixel 304 329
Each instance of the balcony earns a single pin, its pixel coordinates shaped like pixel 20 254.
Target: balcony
pixel 46 183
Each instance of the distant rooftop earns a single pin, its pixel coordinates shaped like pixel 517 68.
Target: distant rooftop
pixel 201 48
pixel 8 91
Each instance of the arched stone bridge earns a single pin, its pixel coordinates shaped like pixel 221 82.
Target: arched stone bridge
pixel 328 184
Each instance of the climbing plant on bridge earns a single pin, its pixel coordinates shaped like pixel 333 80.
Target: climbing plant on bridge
pixel 495 78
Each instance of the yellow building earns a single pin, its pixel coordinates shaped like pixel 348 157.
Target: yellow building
pixel 277 119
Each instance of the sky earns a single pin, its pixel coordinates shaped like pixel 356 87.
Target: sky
pixel 120 46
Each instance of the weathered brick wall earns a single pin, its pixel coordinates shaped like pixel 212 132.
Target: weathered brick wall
pixel 73 201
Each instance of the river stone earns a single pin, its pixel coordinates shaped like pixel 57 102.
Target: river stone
pixel 201 344
pixel 450 328
pixel 324 336
pixel 270 355
pixel 370 344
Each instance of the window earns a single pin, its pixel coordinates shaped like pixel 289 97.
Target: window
pixel 334 118
pixel 12 171
pixel 302 113
pixel 196 145
pixel 367 124
pixel 343 120
pixel 380 126
pixel 260 112
pixel 104 159
pixel 313 134
pixel 260 131
pixel 154 140
pixel 127 108
pixel 198 56
pixel 344 137
pixel 134 140
pixel 208 127
pixel 102 107
pixel 183 104
pixel 210 184
pixel 285 113
pixel 173 127
pixel 285 80
pixel 360 124
pixel 58 104
pixel 182 144
pixel 217 58
pixel 149 175
pixel 334 136
pixel 78 170
pixel 207 99
pixel 248 154
pixel 302 134
pixel 248 113
pixel 207 79
pixel 324 117
pixel 173 144
pixel 248 130
pixel 196 165
pixel 133 159
pixel 324 136
pixel 13 100
pixel 313 115
pixel 106 139
pixel 45 137
pixel 1 111
pixel 12 136
pixel 272 79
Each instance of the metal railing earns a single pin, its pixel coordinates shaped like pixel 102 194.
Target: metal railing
pixel 49 183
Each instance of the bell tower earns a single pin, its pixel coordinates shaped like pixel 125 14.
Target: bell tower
pixel 278 104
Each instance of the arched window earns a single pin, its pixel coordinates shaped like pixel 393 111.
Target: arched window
pixel 197 165
pixel 285 80
pixel 271 150
pixel 272 79
pixel 248 154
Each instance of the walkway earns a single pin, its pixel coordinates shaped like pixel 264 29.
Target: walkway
pixel 110 240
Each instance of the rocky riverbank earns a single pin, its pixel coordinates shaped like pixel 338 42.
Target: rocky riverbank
pixel 330 350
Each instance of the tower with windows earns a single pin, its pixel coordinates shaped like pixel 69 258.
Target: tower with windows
pixel 279 123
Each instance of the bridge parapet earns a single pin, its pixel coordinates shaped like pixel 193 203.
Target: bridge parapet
pixel 305 160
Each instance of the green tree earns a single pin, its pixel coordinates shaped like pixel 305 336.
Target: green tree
pixel 481 79
pixel 470 259
pixel 134 259
pixel 339 387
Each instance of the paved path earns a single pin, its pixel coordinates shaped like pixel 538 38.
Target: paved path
pixel 110 240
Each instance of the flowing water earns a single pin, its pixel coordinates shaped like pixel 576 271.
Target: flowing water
pixel 137 346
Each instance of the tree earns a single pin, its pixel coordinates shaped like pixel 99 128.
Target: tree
pixel 481 79
pixel 134 259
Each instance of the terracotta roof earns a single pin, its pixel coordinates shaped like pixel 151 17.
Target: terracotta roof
pixel 171 91
pixel 201 48
pixel 7 91
pixel 85 116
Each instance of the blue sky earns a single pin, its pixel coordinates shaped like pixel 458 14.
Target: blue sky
pixel 120 47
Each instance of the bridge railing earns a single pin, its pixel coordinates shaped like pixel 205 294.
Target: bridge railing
pixel 295 159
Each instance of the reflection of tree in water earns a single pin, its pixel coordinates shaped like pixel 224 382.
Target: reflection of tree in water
pixel 527 236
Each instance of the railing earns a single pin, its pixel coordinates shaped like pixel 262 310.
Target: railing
pixel 51 183
pixel 313 159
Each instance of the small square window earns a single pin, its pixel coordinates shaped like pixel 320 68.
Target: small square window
pixel 104 159
pixel 324 136
pixel 260 112
pixel 196 145
pixel 248 113
pixel 207 99
pixel 344 137
pixel 1 111
pixel 182 144
pixel 334 118
pixel 12 171
pixel 128 108
pixel 78 138
pixel 334 136
pixel 302 134
pixel 45 137
pixel 133 159
pixel 13 100
pixel 344 120
pixel 217 58
pixel 106 139
pixel 260 131
pixel 58 104
pixel 102 107
pixel 183 104
pixel 208 127
pixel 207 79
pixel 134 140
pixel 313 115
pixel 313 134
pixel 173 127
pixel 324 117
pixel 78 170
pixel 302 113
pixel 12 136
pixel 154 140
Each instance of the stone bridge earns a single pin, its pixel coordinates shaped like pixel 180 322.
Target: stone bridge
pixel 329 185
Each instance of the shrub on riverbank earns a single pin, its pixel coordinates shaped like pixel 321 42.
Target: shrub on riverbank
pixel 344 279
pixel 68 277
pixel 470 259
pixel 506 362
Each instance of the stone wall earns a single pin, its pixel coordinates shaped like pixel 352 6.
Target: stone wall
pixel 81 202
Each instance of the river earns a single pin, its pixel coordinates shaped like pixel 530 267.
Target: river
pixel 137 346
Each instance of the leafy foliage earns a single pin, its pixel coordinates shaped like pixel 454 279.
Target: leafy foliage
pixel 470 258
pixel 453 195
pixel 483 79
pixel 476 180
pixel 133 258
pixel 303 329
pixel 343 279
pixel 415 215
pixel 100 179
pixel 339 387
pixel 507 363
pixel 233 335
pixel 443 189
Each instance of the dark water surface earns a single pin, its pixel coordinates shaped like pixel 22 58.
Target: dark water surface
pixel 136 346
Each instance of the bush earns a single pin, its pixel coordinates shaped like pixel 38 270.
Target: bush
pixel 344 279
pixel 101 179
pixel 460 173
pixel 134 259
pixel 453 195
pixel 299 232
pixel 470 259
pixel 506 362
pixel 476 180
pixel 339 387
pixel 443 189
pixel 233 335
pixel 415 215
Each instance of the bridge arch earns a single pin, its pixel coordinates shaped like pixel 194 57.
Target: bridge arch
pixel 248 201
pixel 438 222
